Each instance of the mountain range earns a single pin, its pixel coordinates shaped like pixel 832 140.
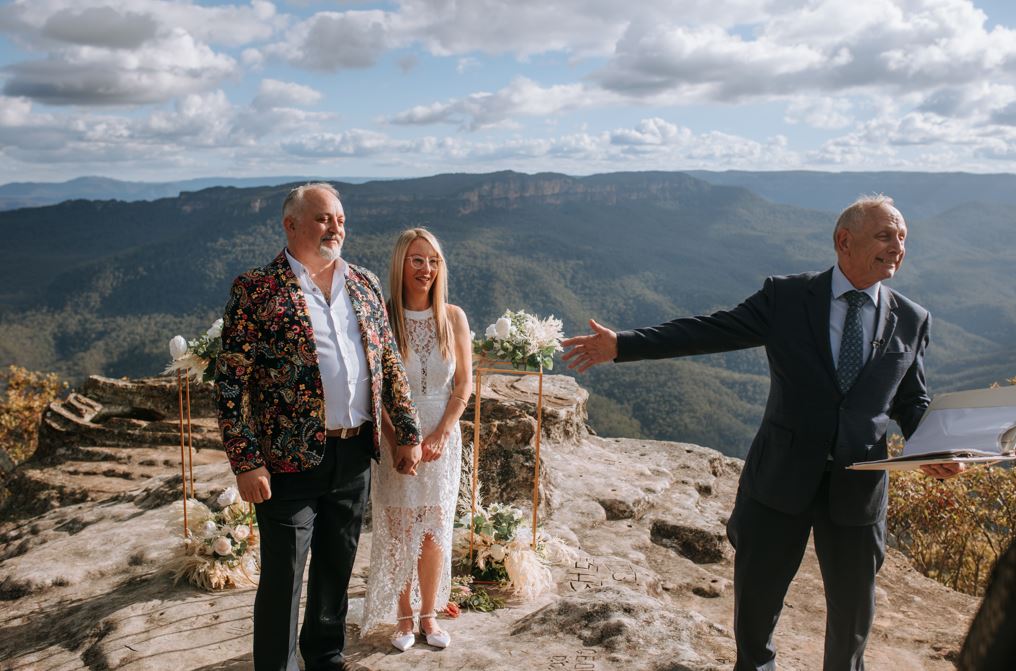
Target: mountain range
pixel 15 195
pixel 99 286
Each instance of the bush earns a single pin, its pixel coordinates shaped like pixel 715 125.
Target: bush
pixel 23 396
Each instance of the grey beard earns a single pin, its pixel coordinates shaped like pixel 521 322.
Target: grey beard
pixel 329 253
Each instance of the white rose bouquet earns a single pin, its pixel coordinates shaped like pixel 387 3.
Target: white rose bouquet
pixel 220 551
pixel 196 357
pixel 522 339
pixel 503 552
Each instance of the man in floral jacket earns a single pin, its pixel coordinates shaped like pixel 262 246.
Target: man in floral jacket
pixel 307 364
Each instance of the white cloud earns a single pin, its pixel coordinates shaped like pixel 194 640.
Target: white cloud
pixel 127 52
pixel 819 112
pixel 329 41
pixel 521 98
pixel 45 24
pixel 650 132
pixel 100 27
pixel 466 63
pixel 274 93
pixel 581 28
pixel 355 142
pixel 706 61
pixel 159 70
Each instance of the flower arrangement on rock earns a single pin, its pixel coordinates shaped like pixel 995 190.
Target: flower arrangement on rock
pixel 220 551
pixel 503 552
pixel 464 595
pixel 196 357
pixel 522 339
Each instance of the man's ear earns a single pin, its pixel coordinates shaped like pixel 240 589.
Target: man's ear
pixel 289 224
pixel 842 240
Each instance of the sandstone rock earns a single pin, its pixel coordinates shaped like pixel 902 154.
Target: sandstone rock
pixel 108 439
pixel 508 431
pixel 702 546
pixel 82 585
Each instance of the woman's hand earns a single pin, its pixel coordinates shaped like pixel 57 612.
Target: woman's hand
pixel 434 444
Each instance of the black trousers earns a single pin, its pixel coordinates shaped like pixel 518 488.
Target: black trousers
pixel 317 511
pixel 768 548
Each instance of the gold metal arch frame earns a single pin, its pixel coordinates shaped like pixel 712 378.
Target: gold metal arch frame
pixel 187 446
pixel 186 451
pixel 483 365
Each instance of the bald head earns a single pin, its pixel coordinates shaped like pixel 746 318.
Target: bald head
pixel 870 240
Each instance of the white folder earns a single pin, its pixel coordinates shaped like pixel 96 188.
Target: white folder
pixel 977 426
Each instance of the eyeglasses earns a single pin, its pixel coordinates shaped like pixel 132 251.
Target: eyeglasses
pixel 418 262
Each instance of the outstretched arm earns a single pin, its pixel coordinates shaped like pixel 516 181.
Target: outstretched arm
pixel 746 325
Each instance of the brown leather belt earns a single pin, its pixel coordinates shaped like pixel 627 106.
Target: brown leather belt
pixel 345 433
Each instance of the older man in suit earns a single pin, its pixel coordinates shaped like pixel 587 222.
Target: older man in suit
pixel 308 363
pixel 846 355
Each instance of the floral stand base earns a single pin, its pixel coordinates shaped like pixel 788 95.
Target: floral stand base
pixel 221 548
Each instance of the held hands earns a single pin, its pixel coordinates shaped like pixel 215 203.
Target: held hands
pixel 255 486
pixel 433 445
pixel 406 458
pixel 588 350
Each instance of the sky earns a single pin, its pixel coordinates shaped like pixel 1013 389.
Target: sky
pixel 159 90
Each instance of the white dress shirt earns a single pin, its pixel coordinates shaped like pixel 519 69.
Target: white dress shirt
pixel 345 376
pixel 838 312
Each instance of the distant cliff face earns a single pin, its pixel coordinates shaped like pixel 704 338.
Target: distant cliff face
pixel 647 584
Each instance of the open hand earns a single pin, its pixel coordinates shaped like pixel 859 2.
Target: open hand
pixel 588 350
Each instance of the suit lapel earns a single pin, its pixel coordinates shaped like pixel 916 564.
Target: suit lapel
pixel 291 290
pixel 817 305
pixel 884 327
pixel 355 291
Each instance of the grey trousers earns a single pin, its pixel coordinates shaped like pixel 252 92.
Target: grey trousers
pixel 768 548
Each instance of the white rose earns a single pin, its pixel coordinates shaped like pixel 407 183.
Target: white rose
pixel 240 533
pixel 497 552
pixel 222 546
pixel 491 332
pixel 215 330
pixel 228 497
pixel 208 528
pixel 177 347
pixel 503 327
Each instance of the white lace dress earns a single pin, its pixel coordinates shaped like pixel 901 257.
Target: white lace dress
pixel 404 508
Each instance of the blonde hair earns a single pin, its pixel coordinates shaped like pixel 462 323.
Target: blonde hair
pixel 438 293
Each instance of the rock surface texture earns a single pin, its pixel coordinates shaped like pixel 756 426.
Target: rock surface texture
pixel 650 586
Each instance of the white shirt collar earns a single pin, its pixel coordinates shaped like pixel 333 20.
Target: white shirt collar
pixel 300 269
pixel 842 285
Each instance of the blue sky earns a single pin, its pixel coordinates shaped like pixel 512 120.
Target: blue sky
pixel 170 89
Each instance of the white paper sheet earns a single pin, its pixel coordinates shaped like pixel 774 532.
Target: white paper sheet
pixel 981 429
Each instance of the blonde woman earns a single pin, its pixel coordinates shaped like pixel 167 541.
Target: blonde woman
pixel 410 561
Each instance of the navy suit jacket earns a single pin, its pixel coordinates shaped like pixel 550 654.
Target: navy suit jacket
pixel 806 417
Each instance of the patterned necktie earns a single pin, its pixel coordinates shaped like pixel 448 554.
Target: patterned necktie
pixel 851 346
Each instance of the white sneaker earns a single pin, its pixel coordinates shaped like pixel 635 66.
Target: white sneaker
pixel 404 640
pixel 439 638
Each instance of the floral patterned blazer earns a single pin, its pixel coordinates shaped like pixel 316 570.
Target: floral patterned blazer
pixel 268 387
